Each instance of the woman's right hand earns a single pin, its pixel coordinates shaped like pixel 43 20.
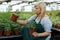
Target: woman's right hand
pixel 35 34
pixel 13 18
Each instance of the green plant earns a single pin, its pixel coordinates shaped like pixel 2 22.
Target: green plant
pixel 7 27
pixel 32 25
pixel 5 18
pixel 1 26
pixel 15 28
pixel 17 11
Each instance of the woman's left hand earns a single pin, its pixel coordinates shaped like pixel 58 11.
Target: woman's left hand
pixel 35 34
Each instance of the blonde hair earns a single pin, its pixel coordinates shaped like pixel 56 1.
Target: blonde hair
pixel 42 6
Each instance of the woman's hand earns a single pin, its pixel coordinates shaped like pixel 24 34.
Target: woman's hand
pixel 35 34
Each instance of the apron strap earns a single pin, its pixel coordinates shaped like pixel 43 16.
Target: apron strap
pixel 39 20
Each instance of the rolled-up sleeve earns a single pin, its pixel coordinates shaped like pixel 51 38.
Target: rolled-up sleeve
pixel 31 18
pixel 47 25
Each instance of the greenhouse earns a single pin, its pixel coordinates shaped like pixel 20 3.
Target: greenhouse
pixel 23 10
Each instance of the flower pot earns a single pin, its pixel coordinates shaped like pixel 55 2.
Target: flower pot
pixel 31 31
pixel 7 33
pixel 57 26
pixel 1 32
pixel 16 31
pixel 13 17
pixel 12 32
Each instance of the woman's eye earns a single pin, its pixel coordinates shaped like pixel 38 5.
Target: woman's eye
pixel 36 8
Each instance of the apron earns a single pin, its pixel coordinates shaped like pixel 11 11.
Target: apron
pixel 26 35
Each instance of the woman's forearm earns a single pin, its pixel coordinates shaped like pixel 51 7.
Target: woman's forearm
pixel 22 22
pixel 44 34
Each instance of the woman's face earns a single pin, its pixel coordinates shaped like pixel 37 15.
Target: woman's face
pixel 37 10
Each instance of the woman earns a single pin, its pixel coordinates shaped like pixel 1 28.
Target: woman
pixel 43 23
